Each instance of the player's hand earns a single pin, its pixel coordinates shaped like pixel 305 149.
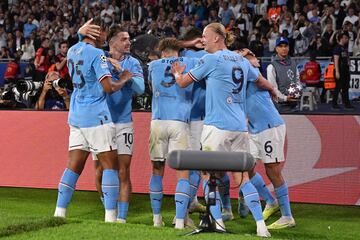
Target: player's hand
pixel 245 51
pixel 253 60
pixel 291 99
pixel 90 30
pixel 115 63
pixel 125 76
pixel 177 69
pixel 274 95
pixel 198 43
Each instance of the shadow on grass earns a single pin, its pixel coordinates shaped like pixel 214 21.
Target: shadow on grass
pixel 33 226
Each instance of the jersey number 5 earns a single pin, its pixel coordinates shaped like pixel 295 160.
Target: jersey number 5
pixel 168 74
pixel 78 73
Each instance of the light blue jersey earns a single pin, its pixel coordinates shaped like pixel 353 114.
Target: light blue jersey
pixel 120 102
pixel 170 102
pixel 88 67
pixel 226 74
pixel 261 112
pixel 199 89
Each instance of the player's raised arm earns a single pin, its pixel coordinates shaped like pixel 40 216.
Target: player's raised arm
pixel 183 80
pixel 89 30
pixel 111 86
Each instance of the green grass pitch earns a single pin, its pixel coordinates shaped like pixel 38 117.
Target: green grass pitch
pixel 27 214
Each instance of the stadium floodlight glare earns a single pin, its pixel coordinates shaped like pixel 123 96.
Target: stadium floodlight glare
pixel 212 162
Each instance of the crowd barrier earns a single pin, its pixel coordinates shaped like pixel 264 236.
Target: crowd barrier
pixel 322 155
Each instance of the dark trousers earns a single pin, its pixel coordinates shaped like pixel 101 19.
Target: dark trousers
pixel 287 107
pixel 342 84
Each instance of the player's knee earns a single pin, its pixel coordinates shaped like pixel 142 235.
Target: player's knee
pixel 158 166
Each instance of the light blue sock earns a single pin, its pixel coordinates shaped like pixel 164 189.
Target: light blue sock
pixel 252 200
pixel 110 188
pixel 66 188
pixel 282 195
pixel 225 192
pixel 263 191
pixel 194 180
pixel 123 208
pixel 182 196
pixel 156 193
pixel 215 210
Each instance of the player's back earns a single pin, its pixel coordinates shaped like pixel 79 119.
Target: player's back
pixel 226 90
pixel 261 111
pixel 170 102
pixel 199 89
pixel 120 102
pixel 88 67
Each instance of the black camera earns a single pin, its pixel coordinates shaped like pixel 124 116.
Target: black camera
pixel 59 83
pixel 28 86
pixel 14 95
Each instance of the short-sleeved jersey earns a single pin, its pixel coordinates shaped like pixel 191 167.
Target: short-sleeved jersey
pixel 88 67
pixel 261 112
pixel 226 74
pixel 170 102
pixel 120 101
pixel 199 89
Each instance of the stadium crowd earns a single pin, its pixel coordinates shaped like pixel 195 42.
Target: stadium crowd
pixel 30 29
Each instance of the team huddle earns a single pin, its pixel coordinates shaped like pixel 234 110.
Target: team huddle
pixel 212 99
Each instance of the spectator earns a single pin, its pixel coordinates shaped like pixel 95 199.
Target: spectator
pixel 107 12
pixel 351 17
pixel 287 25
pixel 272 35
pixel 342 72
pixel 28 50
pixel 348 27
pixel 5 53
pixel 328 17
pixel 339 14
pixel 356 48
pixel 29 27
pixel 263 24
pixel 301 44
pixel 225 14
pixel 42 61
pixel 51 97
pixel 2 37
pixel 19 39
pixel 274 12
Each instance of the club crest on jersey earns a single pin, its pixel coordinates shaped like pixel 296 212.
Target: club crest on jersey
pixel 103 58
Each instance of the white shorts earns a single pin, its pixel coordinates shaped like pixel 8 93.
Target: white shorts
pixel 166 136
pixel 214 139
pixel 196 128
pixel 268 145
pixel 94 139
pixel 124 139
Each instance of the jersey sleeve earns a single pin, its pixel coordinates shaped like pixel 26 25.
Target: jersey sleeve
pixel 100 65
pixel 204 67
pixel 253 73
pixel 138 84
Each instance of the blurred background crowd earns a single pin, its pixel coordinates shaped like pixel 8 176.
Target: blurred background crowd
pixel 41 31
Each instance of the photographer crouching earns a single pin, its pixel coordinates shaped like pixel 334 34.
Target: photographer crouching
pixel 54 95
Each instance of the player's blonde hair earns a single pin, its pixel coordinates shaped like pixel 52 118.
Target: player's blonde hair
pixel 219 29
